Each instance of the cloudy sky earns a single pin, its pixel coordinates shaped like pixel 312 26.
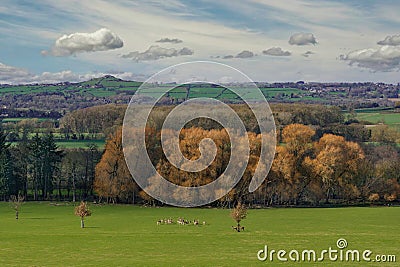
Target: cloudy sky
pixel 49 41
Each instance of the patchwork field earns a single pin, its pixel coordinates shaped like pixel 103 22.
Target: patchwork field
pixel 122 235
pixel 80 143
pixel 67 144
pixel 99 87
pixel 375 117
pixel 109 86
pixel 389 118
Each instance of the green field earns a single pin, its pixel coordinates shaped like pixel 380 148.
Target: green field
pixel 389 118
pixel 15 120
pixel 386 118
pixel 110 86
pixel 98 87
pixel 80 143
pixel 122 235
pixel 76 143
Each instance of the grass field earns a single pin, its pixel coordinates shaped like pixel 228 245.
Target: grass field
pixel 48 235
pixel 80 143
pixel 15 120
pixel 386 118
pixel 108 86
pixel 76 143
pixel 389 118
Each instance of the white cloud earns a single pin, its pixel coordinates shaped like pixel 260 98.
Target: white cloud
pixel 385 58
pixel 142 23
pixel 337 24
pixel 156 52
pixel 302 38
pixel 8 74
pixel 390 40
pixel 100 40
pixel 245 54
pixel 276 51
pixel 185 52
pixel 308 53
pixel 170 40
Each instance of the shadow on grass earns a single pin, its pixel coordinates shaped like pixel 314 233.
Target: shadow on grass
pixel 92 227
pixel 38 218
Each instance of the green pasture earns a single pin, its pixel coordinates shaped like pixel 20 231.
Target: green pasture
pixel 15 120
pixel 225 94
pixel 388 118
pixel 106 87
pixel 69 144
pixel 80 143
pixel 124 235
pixel 100 87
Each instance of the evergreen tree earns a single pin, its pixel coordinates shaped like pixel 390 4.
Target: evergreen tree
pixel 44 156
pixel 6 179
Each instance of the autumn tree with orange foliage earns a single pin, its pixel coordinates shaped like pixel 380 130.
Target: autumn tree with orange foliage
pixel 335 164
pixel 288 174
pixel 304 171
pixel 113 180
pixel 241 191
pixel 189 141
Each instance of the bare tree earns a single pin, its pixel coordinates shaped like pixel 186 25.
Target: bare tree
pixel 239 213
pixel 16 202
pixel 82 211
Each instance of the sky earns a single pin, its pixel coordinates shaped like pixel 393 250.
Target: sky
pixel 272 41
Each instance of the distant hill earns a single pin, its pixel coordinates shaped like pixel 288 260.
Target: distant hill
pixel 110 81
pixel 54 100
pixel 66 96
pixel 97 87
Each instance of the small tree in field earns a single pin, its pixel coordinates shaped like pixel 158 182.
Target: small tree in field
pixel 82 211
pixel 239 213
pixel 16 202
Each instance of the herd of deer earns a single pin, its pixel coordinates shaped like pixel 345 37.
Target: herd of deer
pixel 180 221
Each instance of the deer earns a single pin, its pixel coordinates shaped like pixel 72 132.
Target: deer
pixel 238 228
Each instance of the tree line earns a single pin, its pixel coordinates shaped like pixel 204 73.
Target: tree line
pixel 322 156
pixel 105 120
pixel 306 170
pixel 37 169
pixel 100 121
